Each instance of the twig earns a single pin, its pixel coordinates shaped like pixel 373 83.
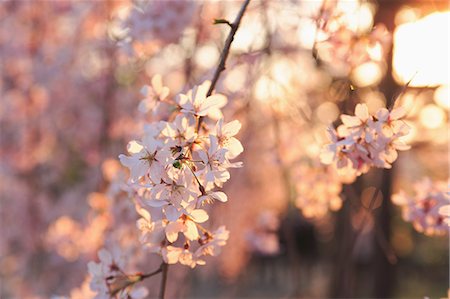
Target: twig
pixel 200 186
pixel 385 246
pixel 224 55
pixel 402 91
pixel 226 49
pixel 162 290
pixel 133 279
pixel 364 220
pixel 144 276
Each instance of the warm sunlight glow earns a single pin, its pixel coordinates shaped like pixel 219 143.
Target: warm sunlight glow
pixel 375 52
pixel 235 80
pixel 207 56
pixel 421 51
pixel 266 89
pixel 375 101
pixel 307 33
pixel 327 112
pixel 367 74
pixel 412 132
pixel 249 36
pixel 406 15
pixel 442 96
pixel 184 148
pixel 358 18
pixel 282 71
pixel 432 117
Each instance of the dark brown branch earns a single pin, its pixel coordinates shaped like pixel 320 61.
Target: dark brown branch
pixel 162 291
pixel 363 224
pixel 224 55
pixel 133 279
pixel 226 49
pixel 144 276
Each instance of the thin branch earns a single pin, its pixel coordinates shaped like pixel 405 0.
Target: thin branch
pixel 144 276
pixel 204 230
pixel 402 91
pixel 200 186
pixel 385 246
pixel 226 49
pixel 133 279
pixel 162 290
pixel 362 226
pixel 224 55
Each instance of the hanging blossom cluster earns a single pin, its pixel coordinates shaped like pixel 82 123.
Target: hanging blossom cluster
pixel 318 190
pixel 176 169
pixel 364 141
pixel 346 49
pixel 344 46
pixel 426 209
pixel 149 21
pixel 109 280
pixel 263 238
pixel 445 211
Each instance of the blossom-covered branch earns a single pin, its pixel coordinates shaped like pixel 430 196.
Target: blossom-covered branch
pixel 175 171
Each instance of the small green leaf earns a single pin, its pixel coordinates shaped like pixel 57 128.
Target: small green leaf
pixel 221 21
pixel 177 164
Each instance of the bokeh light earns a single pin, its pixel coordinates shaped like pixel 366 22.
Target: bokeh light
pixel 369 73
pixel 432 116
pixel 72 77
pixel 442 96
pixel 420 54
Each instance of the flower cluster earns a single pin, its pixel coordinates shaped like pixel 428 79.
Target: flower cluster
pixel 445 211
pixel 108 278
pixel 318 190
pixel 425 209
pixel 158 20
pixel 364 141
pixel 177 168
pixel 344 49
pixel 263 239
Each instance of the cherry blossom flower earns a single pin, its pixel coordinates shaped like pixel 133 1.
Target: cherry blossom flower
pixel 197 103
pixel 176 169
pixel 135 293
pixel 184 222
pixel 361 117
pixel 180 132
pixel 160 20
pixel 147 157
pixel 425 207
pixel 109 278
pixel 364 141
pixel 445 211
pixel 212 243
pixel 210 197
pixel 343 49
pixel 173 192
pixel 173 255
pixel 318 190
pixel 263 238
pixel 152 233
pixel 214 160
pixel 154 95
pixel 333 151
pixel 225 134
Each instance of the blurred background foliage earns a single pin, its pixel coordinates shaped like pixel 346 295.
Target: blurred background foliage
pixel 69 95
